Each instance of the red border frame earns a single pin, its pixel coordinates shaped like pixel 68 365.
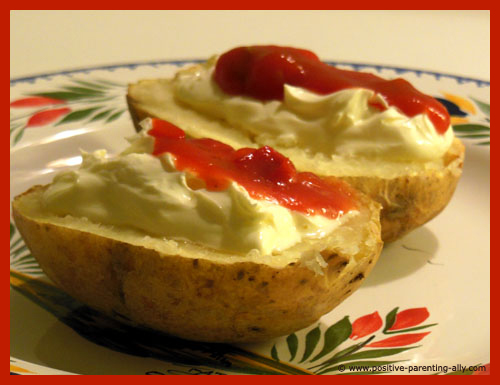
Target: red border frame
pixel 231 5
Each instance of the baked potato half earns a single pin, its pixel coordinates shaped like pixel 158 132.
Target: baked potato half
pixel 411 194
pixel 193 293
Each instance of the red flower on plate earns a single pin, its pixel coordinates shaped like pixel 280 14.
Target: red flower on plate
pixel 401 323
pixel 45 117
pixel 35 101
pixel 365 325
pixel 400 340
pixel 409 318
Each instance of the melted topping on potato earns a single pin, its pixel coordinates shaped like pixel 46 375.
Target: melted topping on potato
pixel 264 173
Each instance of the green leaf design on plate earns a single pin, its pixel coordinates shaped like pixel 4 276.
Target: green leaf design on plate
pixel 89 92
pixel 80 95
pixel 64 95
pixel 13 244
pixel 77 115
pixel 390 318
pixel 293 343
pixel 115 116
pixel 312 339
pixel 28 264
pixel 15 126
pixel 361 366
pixel 375 353
pixel 334 336
pixel 110 83
pixel 22 248
pixel 274 353
pixel 470 128
pixel 101 115
pixel 484 107
pixel 18 136
pixel 473 131
pixel 93 85
pixel 344 353
pixel 20 256
pixel 13 232
pixel 475 136
pixel 410 329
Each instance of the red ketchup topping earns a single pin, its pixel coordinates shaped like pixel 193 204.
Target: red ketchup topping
pixel 264 173
pixel 261 72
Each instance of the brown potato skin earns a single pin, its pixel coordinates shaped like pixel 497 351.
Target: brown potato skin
pixel 136 112
pixel 195 299
pixel 410 201
pixel 407 202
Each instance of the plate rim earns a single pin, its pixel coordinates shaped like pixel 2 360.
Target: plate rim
pixel 154 63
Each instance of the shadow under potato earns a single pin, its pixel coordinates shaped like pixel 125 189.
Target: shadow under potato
pixel 404 257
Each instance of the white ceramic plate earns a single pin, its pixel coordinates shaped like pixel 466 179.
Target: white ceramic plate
pixel 423 310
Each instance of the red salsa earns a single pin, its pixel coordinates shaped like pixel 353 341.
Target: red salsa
pixel 264 173
pixel 261 72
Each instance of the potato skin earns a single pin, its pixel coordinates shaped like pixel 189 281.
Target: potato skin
pixel 408 201
pixel 136 112
pixel 195 299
